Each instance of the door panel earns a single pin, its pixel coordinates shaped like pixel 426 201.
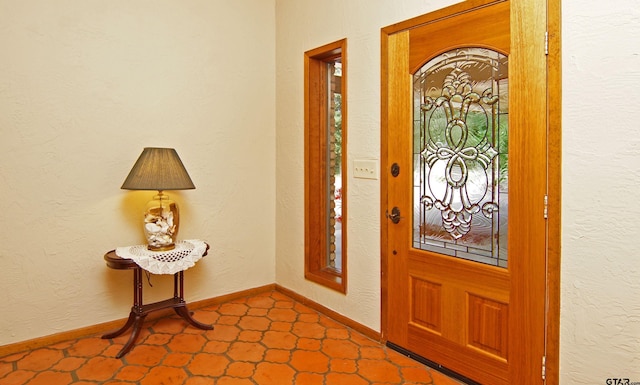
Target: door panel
pixel 489 25
pixel 483 321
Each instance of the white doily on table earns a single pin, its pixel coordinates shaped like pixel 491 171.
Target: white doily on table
pixel 185 255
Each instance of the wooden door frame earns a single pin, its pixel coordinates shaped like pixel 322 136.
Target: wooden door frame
pixel 554 152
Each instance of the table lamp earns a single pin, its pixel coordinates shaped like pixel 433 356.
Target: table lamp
pixel 159 169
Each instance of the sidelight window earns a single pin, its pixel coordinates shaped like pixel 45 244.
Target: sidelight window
pixel 325 187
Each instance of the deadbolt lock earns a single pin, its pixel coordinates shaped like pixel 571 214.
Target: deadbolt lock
pixel 395 170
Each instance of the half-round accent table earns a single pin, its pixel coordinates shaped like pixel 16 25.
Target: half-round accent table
pixel 139 311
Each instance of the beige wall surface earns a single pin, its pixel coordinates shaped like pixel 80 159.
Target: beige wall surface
pixel 84 86
pixel 600 311
pixel 301 26
pixel 600 319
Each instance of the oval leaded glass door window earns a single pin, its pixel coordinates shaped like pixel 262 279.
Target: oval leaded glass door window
pixel 461 155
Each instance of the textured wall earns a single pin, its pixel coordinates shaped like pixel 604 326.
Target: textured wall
pixel 84 86
pixel 600 325
pixel 301 26
pixel 600 319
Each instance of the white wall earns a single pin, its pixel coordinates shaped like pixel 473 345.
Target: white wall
pixel 84 86
pixel 600 316
pixel 600 319
pixel 301 26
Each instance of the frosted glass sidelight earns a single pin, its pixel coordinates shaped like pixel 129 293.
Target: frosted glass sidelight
pixel 460 155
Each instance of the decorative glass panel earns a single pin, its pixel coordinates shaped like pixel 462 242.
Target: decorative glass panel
pixel 460 110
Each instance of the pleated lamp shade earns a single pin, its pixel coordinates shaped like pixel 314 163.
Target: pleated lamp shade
pixel 158 169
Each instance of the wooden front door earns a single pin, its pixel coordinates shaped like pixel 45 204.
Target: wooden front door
pixel 464 149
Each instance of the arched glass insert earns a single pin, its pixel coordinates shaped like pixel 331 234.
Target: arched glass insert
pixel 460 151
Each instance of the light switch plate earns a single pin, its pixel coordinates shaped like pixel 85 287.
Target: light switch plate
pixel 364 168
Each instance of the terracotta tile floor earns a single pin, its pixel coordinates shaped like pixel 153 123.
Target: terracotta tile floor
pixel 266 339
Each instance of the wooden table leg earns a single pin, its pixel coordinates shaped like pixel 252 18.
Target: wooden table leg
pixel 183 312
pixel 139 311
pixel 136 316
pixel 127 325
pixel 137 326
pixel 181 308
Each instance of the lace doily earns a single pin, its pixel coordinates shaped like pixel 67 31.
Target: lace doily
pixel 185 255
